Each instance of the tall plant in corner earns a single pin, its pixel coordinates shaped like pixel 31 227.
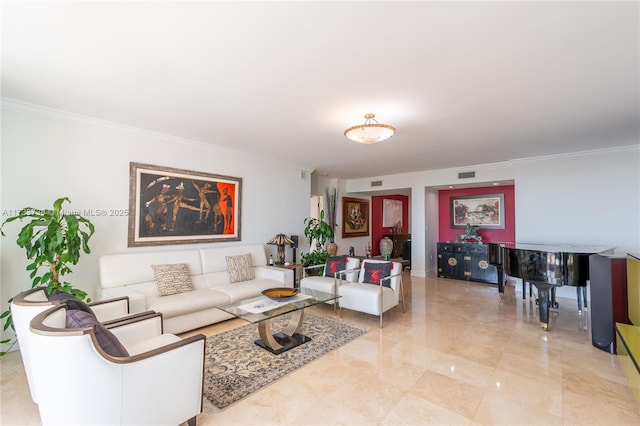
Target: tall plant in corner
pixel 317 230
pixel 53 241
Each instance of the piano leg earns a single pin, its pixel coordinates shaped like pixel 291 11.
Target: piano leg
pixel 500 281
pixel 524 290
pixel 553 302
pixel 543 302
pixel 581 292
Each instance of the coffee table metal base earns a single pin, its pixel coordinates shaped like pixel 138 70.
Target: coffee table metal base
pixel 280 342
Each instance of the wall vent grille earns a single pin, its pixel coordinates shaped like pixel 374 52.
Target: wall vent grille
pixel 466 175
pixel 376 183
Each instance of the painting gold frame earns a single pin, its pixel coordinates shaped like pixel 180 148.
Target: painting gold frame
pixel 355 217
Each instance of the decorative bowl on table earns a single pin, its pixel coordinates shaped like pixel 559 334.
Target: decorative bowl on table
pixel 280 294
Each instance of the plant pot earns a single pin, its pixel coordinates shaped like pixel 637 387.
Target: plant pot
pixel 332 249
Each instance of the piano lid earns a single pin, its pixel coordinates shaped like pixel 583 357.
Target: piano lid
pixel 559 248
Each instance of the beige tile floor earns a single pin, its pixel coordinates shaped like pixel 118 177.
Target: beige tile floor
pixel 458 355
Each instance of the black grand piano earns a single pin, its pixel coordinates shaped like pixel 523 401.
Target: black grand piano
pixel 544 266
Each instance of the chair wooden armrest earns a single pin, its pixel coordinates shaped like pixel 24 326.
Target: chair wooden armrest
pixel 132 331
pixel 128 318
pixel 109 309
pixel 33 297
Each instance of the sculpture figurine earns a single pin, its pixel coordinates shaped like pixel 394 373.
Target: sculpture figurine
pixel 470 235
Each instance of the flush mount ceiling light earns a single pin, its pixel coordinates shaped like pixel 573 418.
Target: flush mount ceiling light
pixel 370 132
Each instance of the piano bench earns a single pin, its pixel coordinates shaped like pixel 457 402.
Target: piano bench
pixel 628 348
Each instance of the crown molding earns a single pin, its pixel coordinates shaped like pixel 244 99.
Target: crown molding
pixel 25 108
pixel 588 153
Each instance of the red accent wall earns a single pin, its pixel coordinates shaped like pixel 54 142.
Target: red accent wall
pixel 377 231
pixel 446 233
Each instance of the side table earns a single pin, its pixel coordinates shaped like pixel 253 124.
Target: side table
pixel 296 276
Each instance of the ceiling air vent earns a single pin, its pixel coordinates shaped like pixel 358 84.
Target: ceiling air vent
pixel 376 183
pixel 466 175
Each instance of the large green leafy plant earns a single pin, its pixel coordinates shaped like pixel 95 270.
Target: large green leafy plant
pixel 53 241
pixel 316 229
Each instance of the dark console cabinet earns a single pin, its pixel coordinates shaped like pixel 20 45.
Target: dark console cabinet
pixel 398 244
pixel 608 287
pixel 466 262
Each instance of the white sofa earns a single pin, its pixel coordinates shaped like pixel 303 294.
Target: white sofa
pixel 131 275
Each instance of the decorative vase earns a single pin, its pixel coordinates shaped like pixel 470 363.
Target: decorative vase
pixel 386 247
pixel 332 248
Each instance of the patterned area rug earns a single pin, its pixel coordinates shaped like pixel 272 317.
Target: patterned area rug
pixel 235 366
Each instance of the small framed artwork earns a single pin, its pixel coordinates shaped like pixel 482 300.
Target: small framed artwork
pixel 175 206
pixel 391 213
pixel 355 217
pixel 484 211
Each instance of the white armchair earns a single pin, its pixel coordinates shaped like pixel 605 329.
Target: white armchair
pixel 329 282
pixel 26 305
pixel 374 293
pixel 160 382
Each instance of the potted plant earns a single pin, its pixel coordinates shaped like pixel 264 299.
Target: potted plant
pixel 53 241
pixel 317 230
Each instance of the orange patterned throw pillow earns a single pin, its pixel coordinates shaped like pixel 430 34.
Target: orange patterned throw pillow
pixel 240 267
pixel 172 278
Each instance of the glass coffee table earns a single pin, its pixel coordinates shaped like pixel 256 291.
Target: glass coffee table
pixel 261 310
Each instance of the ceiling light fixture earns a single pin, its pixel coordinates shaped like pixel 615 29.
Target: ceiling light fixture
pixel 370 132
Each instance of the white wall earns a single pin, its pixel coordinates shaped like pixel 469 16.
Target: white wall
pixel 432 223
pixel 589 198
pixel 48 154
pixel 319 186
pixel 583 198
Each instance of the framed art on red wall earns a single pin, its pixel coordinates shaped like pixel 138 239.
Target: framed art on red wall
pixel 484 211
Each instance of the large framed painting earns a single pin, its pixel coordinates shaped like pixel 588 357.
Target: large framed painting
pixel 355 217
pixel 175 206
pixel 484 211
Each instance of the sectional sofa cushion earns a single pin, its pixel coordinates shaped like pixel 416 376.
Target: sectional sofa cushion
pixel 185 303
